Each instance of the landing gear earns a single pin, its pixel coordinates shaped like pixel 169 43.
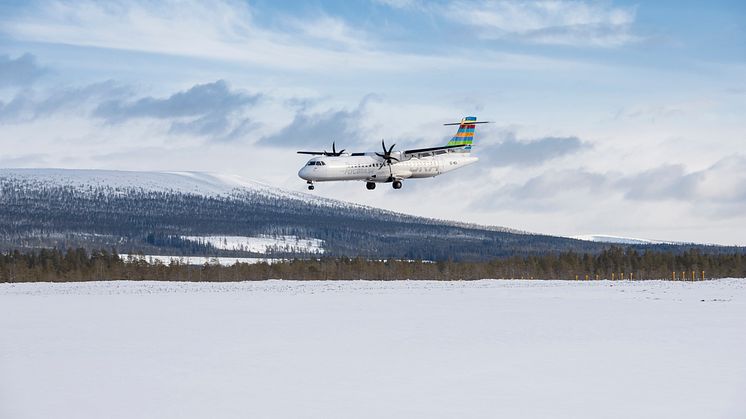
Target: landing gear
pixel 310 185
pixel 397 184
pixel 370 186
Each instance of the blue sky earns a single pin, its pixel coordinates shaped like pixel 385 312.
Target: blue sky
pixel 611 117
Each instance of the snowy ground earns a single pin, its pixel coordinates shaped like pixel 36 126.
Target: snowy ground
pixel 261 244
pixel 197 260
pixel 285 349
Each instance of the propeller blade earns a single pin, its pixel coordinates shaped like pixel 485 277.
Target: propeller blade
pixel 334 148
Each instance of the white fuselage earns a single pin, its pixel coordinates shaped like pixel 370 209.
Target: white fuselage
pixel 370 168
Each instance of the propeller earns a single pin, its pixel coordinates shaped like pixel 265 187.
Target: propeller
pixel 386 156
pixel 334 152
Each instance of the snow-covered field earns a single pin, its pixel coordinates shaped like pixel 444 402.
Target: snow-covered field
pixel 285 349
pixel 261 244
pixel 195 260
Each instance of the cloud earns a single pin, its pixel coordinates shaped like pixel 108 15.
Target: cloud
pixel 333 31
pixel 199 100
pixel 721 183
pixel 399 4
pixel 319 130
pixel 559 22
pixel 225 30
pixel 24 160
pixel 665 182
pixel 29 105
pixel 718 189
pixel 21 71
pixel 229 30
pixel 529 153
pixel 548 191
pixel 210 109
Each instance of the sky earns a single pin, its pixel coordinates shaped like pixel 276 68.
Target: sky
pixel 610 117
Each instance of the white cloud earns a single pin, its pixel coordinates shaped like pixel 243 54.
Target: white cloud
pixel 558 22
pixel 228 30
pixel 225 30
pixel 333 30
pixel 399 4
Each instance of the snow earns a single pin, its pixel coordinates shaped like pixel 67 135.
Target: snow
pixel 405 349
pixel 618 239
pixel 197 260
pixel 262 243
pixel 200 183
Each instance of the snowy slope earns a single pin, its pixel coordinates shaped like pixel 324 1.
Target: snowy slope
pixel 619 240
pixel 200 183
pixel 261 244
pixel 364 349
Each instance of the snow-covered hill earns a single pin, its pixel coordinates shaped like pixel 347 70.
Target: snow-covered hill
pixel 601 238
pixel 181 214
pixel 200 183
pixel 211 214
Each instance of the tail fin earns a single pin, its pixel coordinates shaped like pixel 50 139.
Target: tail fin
pixel 465 134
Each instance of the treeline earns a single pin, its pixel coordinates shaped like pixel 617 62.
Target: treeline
pixel 614 263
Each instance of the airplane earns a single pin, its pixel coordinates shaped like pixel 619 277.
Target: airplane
pixel 392 166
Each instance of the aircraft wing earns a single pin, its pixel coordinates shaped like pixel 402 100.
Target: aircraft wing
pixel 430 149
pixel 334 152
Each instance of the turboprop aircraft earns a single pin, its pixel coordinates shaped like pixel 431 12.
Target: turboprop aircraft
pixel 392 166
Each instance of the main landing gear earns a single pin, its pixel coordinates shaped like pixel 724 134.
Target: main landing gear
pixel 372 185
pixel 310 185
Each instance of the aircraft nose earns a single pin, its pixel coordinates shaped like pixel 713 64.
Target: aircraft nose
pixel 303 173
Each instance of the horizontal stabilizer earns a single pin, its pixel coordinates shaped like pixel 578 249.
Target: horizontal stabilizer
pixel 468 123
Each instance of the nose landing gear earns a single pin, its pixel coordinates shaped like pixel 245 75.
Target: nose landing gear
pixel 310 185
pixel 370 186
pixel 397 184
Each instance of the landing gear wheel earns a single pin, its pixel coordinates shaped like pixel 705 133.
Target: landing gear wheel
pixel 370 186
pixel 397 184
pixel 310 187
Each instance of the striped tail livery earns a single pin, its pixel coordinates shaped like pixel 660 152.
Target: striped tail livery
pixel 465 134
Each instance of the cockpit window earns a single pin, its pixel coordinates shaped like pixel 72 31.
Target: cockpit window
pixel 316 163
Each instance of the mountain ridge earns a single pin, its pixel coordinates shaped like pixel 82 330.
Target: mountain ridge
pixel 162 213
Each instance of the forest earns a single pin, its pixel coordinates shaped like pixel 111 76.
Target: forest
pixel 52 265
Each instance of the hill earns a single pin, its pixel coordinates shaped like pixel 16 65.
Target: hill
pixel 190 213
